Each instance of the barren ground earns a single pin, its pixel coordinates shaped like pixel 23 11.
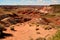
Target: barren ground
pixel 28 30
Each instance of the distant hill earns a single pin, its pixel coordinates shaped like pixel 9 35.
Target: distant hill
pixel 16 6
pixel 56 8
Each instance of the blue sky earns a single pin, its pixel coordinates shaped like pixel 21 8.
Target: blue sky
pixel 29 2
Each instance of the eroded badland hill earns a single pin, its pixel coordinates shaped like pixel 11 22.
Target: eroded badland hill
pixel 30 22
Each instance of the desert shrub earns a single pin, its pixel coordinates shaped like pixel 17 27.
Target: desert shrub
pixel 12 21
pixel 12 28
pixel 37 29
pixel 47 27
pixel 40 38
pixel 38 32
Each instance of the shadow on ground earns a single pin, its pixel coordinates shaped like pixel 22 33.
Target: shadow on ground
pixel 4 35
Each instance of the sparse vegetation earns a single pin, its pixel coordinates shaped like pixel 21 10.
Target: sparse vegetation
pixel 52 15
pixel 47 27
pixel 56 36
pixel 40 38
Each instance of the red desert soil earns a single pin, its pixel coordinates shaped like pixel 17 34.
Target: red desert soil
pixel 26 32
